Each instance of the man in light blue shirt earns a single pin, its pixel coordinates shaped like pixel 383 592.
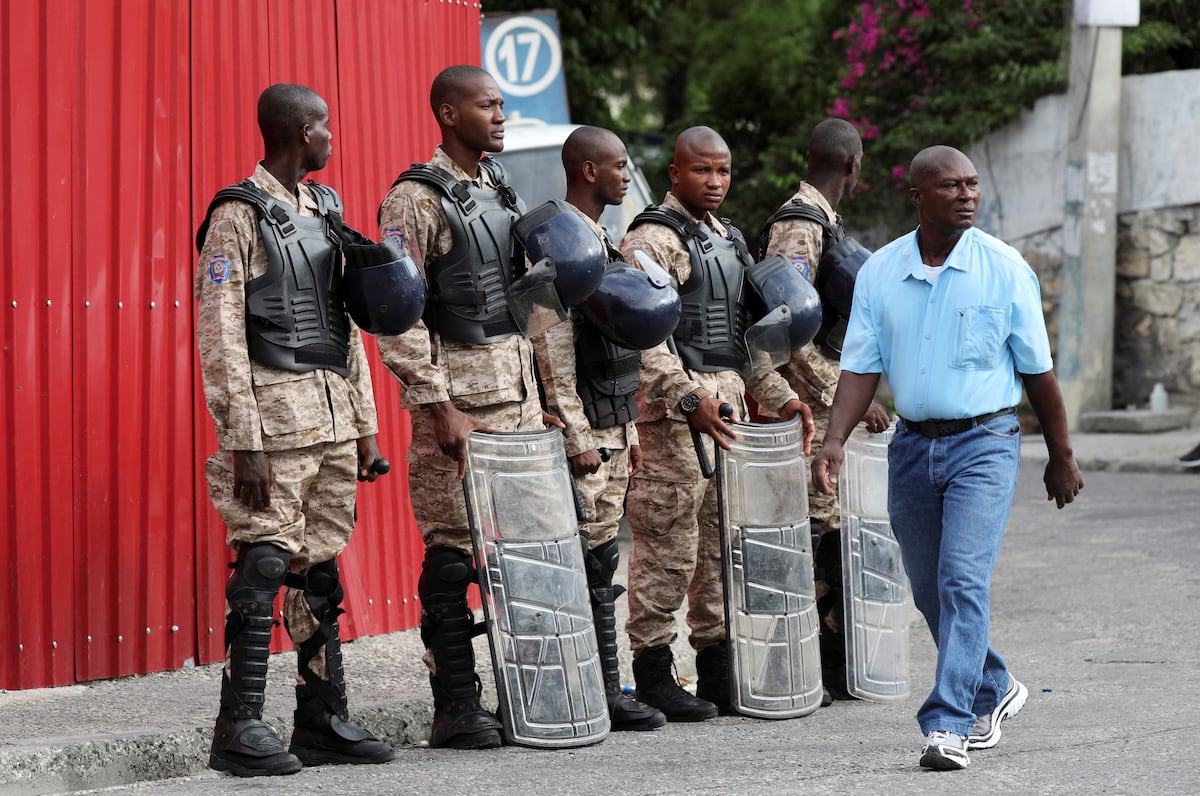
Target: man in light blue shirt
pixel 954 318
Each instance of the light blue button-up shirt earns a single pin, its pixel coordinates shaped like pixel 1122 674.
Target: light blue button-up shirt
pixel 954 348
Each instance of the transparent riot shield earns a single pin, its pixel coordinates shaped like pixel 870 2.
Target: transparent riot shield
pixel 530 560
pixel 770 599
pixel 875 588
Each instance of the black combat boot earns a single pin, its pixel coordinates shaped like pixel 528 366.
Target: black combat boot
pixel 624 713
pixel 242 743
pixel 323 733
pixel 658 687
pixel 712 676
pixel 459 721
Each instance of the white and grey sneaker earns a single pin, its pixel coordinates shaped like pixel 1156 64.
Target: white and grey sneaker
pixel 985 733
pixel 945 751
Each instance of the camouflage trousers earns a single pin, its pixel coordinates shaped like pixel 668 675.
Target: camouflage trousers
pixel 672 512
pixel 821 506
pixel 603 494
pixel 438 502
pixel 311 516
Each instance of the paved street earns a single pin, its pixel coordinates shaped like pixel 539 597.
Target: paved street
pixel 1093 606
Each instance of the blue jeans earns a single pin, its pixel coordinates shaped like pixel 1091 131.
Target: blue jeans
pixel 949 500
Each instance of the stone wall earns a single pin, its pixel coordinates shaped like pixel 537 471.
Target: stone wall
pixel 1157 332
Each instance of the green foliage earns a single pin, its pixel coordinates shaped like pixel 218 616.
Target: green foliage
pixel 908 73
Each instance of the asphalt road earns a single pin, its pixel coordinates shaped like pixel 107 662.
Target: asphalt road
pixel 1095 608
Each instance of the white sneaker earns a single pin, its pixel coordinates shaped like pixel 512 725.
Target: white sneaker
pixel 985 733
pixel 945 751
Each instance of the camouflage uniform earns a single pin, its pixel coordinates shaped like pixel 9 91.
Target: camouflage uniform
pixel 603 491
pixel 813 376
pixel 493 383
pixel 672 509
pixel 307 423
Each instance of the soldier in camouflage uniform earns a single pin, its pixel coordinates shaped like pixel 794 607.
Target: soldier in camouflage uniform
pixel 465 367
pixel 295 425
pixel 601 437
pixel 834 160
pixel 672 508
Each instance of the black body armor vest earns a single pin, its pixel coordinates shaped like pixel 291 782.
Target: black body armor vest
pixel 710 337
pixel 607 375
pixel 467 299
pixel 295 314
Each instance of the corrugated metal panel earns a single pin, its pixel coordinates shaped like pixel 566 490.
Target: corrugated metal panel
pixel 36 468
pixel 385 125
pixel 113 148
pixel 229 69
pixel 132 341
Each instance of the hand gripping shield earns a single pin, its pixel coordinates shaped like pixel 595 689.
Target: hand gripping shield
pixel 529 556
pixel 875 588
pixel 770 596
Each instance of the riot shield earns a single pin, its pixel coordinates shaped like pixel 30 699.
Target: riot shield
pixel 770 601
pixel 529 556
pixel 875 588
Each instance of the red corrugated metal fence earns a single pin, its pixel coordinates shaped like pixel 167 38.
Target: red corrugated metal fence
pixel 121 119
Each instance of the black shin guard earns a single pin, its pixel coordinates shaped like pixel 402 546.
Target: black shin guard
pixel 242 743
pixel 625 713
pixel 250 592
pixel 446 629
pixel 323 733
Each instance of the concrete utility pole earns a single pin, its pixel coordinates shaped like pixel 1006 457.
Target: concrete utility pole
pixel 1086 315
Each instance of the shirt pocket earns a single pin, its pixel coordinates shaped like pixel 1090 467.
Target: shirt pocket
pixel 289 402
pixel 483 375
pixel 979 335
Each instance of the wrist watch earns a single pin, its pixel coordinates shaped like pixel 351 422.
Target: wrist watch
pixel 689 403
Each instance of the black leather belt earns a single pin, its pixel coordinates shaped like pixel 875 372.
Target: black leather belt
pixel 948 428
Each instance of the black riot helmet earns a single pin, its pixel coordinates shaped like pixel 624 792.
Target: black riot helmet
pixel 784 311
pixel 383 288
pixel 835 280
pixel 560 243
pixel 635 308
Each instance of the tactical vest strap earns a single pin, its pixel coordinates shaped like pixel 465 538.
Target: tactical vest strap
pixel 800 210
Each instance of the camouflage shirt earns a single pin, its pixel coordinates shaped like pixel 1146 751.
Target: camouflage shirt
pixel 664 378
pixel 432 369
pixel 809 372
pixel 254 406
pixel 555 351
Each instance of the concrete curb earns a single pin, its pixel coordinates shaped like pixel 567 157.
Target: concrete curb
pixel 76 763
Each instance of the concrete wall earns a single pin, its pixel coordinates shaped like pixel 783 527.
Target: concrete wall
pixel 1023 169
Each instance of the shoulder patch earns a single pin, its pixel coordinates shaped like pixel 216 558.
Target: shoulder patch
pixel 396 235
pixel 801 264
pixel 218 268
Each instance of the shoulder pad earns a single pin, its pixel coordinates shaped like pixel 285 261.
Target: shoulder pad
pixel 657 214
pixel 327 199
pixel 795 209
pixel 246 192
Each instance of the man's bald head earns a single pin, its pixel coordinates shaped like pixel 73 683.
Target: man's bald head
pixel 452 82
pixel 935 160
pixel 283 111
pixel 833 144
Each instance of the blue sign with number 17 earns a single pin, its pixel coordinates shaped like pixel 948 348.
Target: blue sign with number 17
pixel 522 52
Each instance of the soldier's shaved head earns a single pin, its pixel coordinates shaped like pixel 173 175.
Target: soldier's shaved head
pixel 451 83
pixel 585 144
pixel 833 143
pixel 696 139
pixel 283 110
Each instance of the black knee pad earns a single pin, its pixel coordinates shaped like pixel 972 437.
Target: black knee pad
pixel 323 590
pixel 258 573
pixel 445 575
